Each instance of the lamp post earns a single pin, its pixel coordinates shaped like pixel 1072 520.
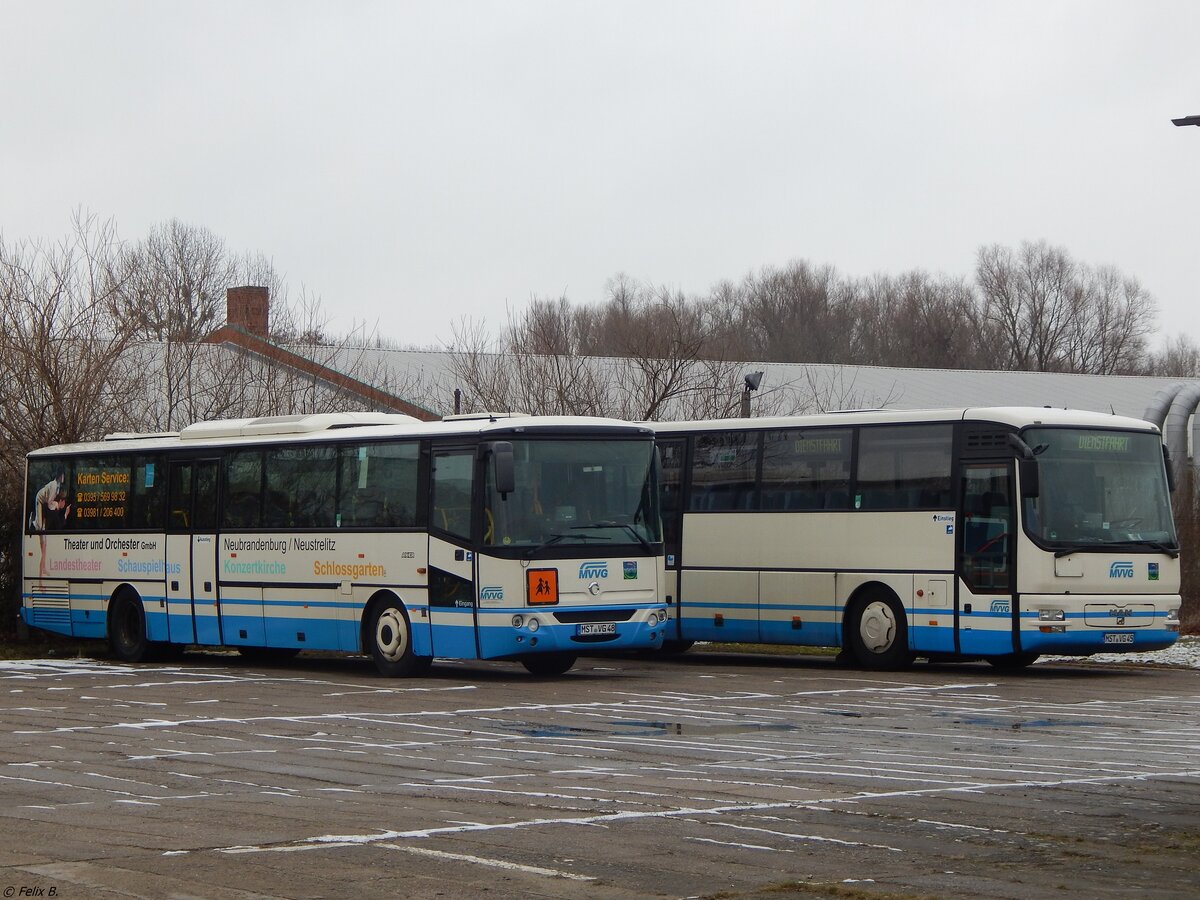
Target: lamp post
pixel 1187 120
pixel 752 381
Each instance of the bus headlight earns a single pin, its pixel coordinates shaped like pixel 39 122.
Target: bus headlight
pixel 652 619
pixel 517 621
pixel 534 624
pixel 1051 615
pixel 1173 619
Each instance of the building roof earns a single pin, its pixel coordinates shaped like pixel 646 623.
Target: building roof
pixel 828 386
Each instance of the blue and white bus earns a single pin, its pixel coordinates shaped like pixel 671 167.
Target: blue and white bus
pixel 1000 534
pixel 490 537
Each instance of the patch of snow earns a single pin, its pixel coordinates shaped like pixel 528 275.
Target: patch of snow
pixel 1184 653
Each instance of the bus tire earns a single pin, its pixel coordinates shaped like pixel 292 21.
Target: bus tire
pixel 877 631
pixel 548 664
pixel 389 635
pixel 127 628
pixel 1013 662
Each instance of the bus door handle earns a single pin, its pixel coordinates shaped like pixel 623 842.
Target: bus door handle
pixel 174 585
pixel 208 587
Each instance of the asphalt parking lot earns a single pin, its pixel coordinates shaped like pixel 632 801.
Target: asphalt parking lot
pixel 714 775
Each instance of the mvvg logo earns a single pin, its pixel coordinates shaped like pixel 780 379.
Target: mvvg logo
pixel 492 593
pixel 1002 606
pixel 1120 570
pixel 594 569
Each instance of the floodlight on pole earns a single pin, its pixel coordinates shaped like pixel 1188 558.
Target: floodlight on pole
pixel 752 381
pixel 1187 120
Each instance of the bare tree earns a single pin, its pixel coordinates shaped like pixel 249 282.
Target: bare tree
pixel 63 365
pixel 1031 297
pixel 533 366
pixel 916 320
pixel 1051 314
pixel 798 314
pixel 174 282
pixel 1109 332
pixel 61 354
pixel 669 346
pixel 1179 358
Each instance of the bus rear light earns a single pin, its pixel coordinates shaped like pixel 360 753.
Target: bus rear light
pixel 1173 619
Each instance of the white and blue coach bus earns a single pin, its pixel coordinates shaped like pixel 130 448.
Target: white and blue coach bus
pixel 1000 534
pixel 490 537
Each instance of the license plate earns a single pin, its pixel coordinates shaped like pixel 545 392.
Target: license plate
pixel 597 628
pixel 1113 638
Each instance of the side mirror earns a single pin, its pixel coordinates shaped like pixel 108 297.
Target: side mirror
pixel 503 467
pixel 1031 485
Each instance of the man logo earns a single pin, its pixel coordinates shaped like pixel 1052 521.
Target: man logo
pixel 1121 570
pixel 492 593
pixel 1002 606
pixel 594 569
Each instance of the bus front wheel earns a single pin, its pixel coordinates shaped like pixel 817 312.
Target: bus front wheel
pixel 548 663
pixel 878 632
pixel 127 629
pixel 390 637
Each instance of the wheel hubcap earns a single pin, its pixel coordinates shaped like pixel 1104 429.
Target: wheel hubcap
pixel 391 637
pixel 877 627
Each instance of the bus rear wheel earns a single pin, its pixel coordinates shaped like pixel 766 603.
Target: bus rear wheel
pixel 548 664
pixel 127 629
pixel 390 638
pixel 877 632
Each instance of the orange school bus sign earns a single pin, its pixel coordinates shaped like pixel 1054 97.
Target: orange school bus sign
pixel 541 586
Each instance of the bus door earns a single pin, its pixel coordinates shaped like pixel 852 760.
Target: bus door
pixel 191 559
pixel 672 454
pixel 986 613
pixel 452 563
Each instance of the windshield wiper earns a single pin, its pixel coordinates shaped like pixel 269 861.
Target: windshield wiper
pixel 1158 546
pixel 1093 543
pixel 555 538
pixel 626 527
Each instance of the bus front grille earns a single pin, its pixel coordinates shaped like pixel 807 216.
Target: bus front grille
pixel 573 617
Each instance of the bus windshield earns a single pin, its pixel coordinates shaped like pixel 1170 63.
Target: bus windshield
pixel 576 492
pixel 1099 487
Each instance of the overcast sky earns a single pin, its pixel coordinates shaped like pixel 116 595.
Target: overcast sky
pixel 418 164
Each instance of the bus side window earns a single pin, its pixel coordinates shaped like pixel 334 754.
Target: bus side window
pixel 243 489
pixel 378 485
pixel 724 468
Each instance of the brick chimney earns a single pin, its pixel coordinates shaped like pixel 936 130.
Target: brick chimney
pixel 246 307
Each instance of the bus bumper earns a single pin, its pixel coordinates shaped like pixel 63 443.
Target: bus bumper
pixel 516 632
pixel 1121 624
